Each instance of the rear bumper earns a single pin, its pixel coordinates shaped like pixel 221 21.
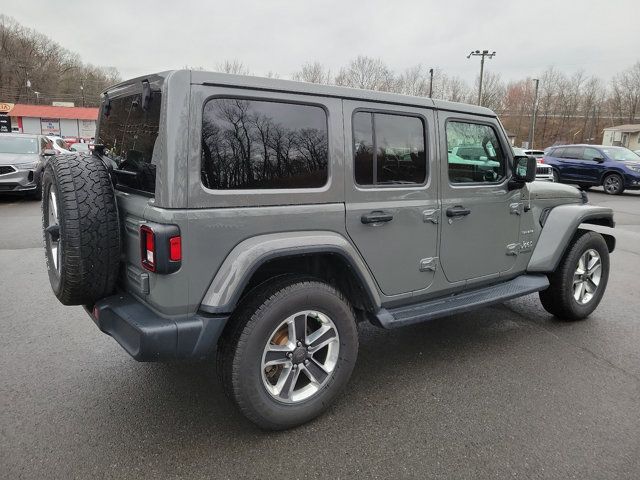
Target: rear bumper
pixel 148 337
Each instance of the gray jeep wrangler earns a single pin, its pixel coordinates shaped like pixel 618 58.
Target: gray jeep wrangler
pixel 263 219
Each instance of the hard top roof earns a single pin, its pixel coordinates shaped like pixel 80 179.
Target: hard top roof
pixel 289 86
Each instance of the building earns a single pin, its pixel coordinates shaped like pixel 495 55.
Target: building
pixel 76 122
pixel 623 136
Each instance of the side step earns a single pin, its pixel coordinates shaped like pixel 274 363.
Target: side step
pixel 462 302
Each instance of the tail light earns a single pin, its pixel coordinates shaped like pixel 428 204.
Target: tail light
pixel 160 247
pixel 148 242
pixel 175 249
pixel 541 160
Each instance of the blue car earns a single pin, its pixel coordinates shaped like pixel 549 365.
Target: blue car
pixel 615 168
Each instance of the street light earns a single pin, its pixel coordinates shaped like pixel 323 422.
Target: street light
pixel 482 54
pixel 532 130
pixel 430 82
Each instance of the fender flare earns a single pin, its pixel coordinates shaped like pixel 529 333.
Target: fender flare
pixel 559 227
pixel 242 262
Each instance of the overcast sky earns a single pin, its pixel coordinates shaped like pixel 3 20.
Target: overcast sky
pixel 139 37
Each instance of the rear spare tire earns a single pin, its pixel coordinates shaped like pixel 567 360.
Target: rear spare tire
pixel 81 229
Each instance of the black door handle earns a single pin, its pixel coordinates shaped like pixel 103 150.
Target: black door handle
pixel 376 217
pixel 457 211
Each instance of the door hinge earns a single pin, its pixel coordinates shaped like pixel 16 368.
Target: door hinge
pixel 428 264
pixel 514 208
pixel 513 249
pixel 431 215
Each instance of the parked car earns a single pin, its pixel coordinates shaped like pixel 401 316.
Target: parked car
pixel 59 144
pixel 347 209
pixel 543 172
pixel 22 159
pixel 615 168
pixel 80 147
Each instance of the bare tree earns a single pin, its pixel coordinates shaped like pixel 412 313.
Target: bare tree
pixel 625 98
pixel 366 72
pixel 235 67
pixel 453 89
pixel 30 58
pixel 313 73
pixel 413 81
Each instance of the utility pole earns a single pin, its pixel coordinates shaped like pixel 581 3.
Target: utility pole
pixel 82 90
pixel 430 82
pixel 482 54
pixel 532 131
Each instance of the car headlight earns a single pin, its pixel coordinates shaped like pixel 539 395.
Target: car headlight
pixel 635 168
pixel 26 166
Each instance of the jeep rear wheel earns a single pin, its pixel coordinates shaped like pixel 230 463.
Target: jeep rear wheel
pixel 288 351
pixel 579 282
pixel 80 228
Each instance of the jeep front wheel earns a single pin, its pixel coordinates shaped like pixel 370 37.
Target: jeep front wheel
pixel 289 350
pixel 577 285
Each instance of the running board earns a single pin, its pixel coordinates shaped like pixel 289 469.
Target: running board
pixel 462 302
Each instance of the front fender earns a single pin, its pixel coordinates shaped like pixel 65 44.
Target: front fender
pixel 559 227
pixel 236 270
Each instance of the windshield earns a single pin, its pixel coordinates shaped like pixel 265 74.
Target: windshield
pixel 20 145
pixel 621 154
pixel 129 134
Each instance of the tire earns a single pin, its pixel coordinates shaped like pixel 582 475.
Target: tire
pixel 613 184
pixel 242 351
pixel 80 228
pixel 556 176
pixel 559 299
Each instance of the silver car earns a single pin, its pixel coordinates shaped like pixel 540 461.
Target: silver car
pixel 22 159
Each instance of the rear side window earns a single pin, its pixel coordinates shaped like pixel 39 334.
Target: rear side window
pixel 129 134
pixel 573 152
pixel 474 153
pixel 252 144
pixel 388 149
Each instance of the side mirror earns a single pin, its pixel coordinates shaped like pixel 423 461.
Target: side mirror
pixel 48 152
pixel 598 159
pixel 524 168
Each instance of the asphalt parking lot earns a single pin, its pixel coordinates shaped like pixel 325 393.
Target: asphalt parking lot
pixel 503 392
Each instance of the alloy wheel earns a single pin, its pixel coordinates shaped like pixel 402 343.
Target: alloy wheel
pixel 52 230
pixel 612 184
pixel 300 356
pixel 586 277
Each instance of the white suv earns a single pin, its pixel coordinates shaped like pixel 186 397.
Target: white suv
pixel 543 172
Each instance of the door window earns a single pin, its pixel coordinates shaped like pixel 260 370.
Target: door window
pixel 474 153
pixel 388 149
pixel 591 153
